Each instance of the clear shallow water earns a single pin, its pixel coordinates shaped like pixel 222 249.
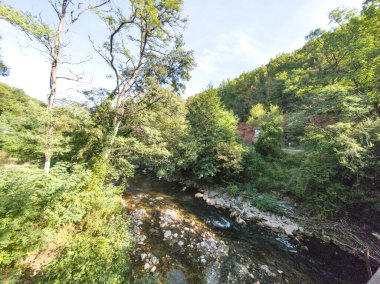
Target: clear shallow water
pixel 253 253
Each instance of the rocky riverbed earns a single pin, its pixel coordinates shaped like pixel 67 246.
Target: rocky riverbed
pixel 242 212
pixel 182 239
pixel 347 237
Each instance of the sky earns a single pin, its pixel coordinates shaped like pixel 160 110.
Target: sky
pixel 227 37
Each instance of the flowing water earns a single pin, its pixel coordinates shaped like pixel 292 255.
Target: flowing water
pixel 182 240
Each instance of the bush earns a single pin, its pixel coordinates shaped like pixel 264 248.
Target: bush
pixel 233 190
pixel 265 203
pixel 34 207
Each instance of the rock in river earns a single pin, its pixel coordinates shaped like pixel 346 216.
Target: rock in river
pixel 167 234
pixel 198 195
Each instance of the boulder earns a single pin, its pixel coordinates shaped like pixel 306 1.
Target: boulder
pixel 198 195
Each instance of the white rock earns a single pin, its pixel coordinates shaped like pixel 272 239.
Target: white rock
pixel 167 234
pixel 154 260
pixel 210 201
pixel 199 195
pixel 153 269
pixel 146 266
pixel 180 243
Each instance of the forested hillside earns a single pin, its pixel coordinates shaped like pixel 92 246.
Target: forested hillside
pixel 329 93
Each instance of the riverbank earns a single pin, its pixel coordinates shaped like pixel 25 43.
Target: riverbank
pixel 348 237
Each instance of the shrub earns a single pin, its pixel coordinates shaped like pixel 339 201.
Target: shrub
pixel 34 207
pixel 265 203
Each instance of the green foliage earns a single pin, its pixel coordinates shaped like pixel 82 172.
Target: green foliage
pixel 214 131
pixel 22 121
pixel 21 124
pixel 97 255
pixel 27 23
pixel 330 95
pixel 342 167
pixel 271 136
pixel 266 203
pixel 33 207
pixel 233 190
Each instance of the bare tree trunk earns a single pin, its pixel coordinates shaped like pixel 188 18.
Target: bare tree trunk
pixel 49 127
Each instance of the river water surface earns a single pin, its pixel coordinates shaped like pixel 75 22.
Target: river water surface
pixel 180 239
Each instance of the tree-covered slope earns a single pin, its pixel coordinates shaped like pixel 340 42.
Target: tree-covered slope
pixel 329 92
pixel 21 123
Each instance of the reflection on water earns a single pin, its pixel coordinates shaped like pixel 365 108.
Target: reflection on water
pixel 196 243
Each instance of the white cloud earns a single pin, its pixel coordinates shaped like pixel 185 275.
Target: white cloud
pixel 230 55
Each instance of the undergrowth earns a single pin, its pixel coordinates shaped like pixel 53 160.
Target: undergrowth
pixel 34 207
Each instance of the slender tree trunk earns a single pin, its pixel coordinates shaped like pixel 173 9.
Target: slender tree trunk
pixel 49 127
pixel 120 110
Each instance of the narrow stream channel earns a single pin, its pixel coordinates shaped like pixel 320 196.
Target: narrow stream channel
pixel 180 239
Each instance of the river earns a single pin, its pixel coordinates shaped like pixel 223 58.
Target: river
pixel 180 239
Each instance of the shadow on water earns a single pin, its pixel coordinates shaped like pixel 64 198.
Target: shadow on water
pixel 254 253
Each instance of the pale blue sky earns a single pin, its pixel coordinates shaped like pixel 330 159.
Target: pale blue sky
pixel 228 38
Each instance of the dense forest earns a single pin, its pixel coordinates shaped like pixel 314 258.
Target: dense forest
pixel 64 165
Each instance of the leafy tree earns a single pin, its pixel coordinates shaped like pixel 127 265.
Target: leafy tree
pixel 155 27
pixel 21 120
pixel 271 135
pixel 213 130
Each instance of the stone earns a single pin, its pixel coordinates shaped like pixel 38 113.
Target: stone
pixel 234 214
pixel 167 234
pixel 153 269
pixel 267 270
pixel 325 238
pixel 304 248
pixel 250 216
pixel 212 194
pixel 154 260
pixel 146 266
pixel 240 221
pixel 180 243
pixel 198 195
pixel 205 195
pixel 210 201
